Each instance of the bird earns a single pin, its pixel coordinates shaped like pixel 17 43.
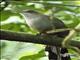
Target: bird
pixel 43 23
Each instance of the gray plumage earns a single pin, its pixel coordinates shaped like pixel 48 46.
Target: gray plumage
pixel 37 21
pixel 43 23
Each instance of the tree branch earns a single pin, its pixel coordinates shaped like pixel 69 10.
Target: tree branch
pixel 44 39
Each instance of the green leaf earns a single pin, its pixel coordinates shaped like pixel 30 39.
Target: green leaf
pixel 34 57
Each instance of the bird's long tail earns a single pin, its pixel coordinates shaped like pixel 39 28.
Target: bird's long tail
pixel 64 54
pixel 57 53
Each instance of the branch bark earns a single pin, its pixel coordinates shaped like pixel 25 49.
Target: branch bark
pixel 44 39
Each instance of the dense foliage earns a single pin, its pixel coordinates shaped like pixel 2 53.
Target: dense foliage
pixel 11 19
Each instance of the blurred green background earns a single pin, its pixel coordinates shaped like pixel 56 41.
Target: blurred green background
pixel 11 19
